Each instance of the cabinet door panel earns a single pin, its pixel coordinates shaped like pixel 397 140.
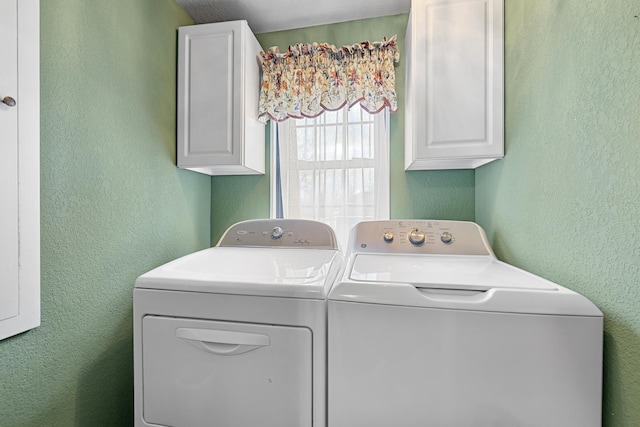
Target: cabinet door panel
pixel 456 73
pixel 211 78
pixel 9 284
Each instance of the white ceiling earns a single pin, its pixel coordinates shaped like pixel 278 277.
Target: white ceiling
pixel 274 15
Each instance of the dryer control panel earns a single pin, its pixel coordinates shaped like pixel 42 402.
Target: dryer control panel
pixel 420 237
pixel 280 233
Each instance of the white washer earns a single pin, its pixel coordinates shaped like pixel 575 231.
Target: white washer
pixel 235 335
pixel 428 328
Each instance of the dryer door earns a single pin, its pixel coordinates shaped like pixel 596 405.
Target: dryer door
pixel 206 373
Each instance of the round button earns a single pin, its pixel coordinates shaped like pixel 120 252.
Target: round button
pixel 416 236
pixel 276 233
pixel 446 237
pixel 388 236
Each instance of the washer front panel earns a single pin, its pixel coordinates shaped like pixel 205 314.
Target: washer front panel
pixel 417 367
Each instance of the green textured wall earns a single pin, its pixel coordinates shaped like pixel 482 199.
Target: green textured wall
pixel 113 206
pixel 565 201
pixel 423 194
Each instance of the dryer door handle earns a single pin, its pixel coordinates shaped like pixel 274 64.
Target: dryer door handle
pixel 221 342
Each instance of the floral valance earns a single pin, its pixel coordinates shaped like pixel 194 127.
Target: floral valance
pixel 308 79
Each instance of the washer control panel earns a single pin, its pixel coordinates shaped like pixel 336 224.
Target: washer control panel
pixel 420 237
pixel 283 233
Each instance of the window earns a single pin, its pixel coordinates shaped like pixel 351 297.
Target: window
pixel 333 168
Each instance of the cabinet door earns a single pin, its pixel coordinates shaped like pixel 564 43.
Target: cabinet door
pixel 218 89
pixel 209 86
pixel 455 84
pixel 19 167
pixel 8 161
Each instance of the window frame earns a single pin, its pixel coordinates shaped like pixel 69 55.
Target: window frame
pixel 382 133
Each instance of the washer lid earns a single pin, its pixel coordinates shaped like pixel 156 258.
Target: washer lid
pixel 470 283
pixel 479 273
pixel 274 272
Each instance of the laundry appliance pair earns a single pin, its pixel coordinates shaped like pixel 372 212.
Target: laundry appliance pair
pixel 420 325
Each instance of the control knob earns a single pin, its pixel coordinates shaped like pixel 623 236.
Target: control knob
pixel 388 236
pixel 416 236
pixel 277 232
pixel 446 237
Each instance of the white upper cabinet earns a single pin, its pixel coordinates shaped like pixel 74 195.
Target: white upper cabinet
pixel 454 117
pixel 19 166
pixel 218 90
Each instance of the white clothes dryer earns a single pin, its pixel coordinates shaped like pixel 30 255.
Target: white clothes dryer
pixel 428 328
pixel 235 335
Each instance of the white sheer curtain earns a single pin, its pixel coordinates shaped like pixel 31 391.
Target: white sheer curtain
pixel 333 168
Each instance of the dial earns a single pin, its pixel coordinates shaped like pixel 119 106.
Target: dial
pixel 277 232
pixel 416 236
pixel 388 236
pixel 446 237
